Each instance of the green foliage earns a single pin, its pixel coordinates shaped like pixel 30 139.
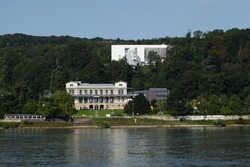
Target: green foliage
pixel 59 105
pixel 241 121
pixel 103 124
pixel 58 79
pixel 214 63
pixel 29 108
pixel 220 122
pixel 9 125
pixel 139 105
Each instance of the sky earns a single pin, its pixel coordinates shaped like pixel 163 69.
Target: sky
pixel 124 19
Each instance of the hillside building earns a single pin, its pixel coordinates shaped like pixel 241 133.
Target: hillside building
pixel 99 96
pixel 137 54
pixel 156 93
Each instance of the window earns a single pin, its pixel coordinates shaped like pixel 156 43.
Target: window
pixel 80 92
pixel 120 84
pixel 161 93
pixel 71 91
pixel 85 92
pixel 95 99
pixel 120 92
pixel 106 100
pixel 126 50
pixel 90 100
pixel 106 91
pixel 101 92
pixel 96 92
pixel 111 92
pixel 80 100
pixel 111 100
pixel 71 85
pixel 90 92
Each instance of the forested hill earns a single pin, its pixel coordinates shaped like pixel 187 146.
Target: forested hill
pixel 200 65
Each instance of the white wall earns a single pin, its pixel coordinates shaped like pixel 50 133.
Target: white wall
pixel 118 52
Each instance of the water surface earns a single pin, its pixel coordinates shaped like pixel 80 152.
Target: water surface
pixel 135 147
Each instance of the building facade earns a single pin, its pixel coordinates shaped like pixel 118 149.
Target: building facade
pixel 98 96
pixel 137 54
pixel 156 93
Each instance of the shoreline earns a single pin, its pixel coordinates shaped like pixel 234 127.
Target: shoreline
pixel 164 126
pixel 132 126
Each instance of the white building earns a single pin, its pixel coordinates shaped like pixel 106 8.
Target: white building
pixel 137 54
pixel 98 96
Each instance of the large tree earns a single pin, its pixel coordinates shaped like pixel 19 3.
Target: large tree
pixel 139 105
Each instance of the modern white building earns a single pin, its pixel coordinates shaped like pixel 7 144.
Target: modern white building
pixel 98 96
pixel 137 54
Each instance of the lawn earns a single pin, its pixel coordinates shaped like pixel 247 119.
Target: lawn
pixel 98 113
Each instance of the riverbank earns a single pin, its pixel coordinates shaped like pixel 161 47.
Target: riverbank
pixel 125 123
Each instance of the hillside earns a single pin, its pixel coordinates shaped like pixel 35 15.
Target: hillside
pixel 209 67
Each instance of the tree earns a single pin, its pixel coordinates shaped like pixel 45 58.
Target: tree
pixel 58 79
pixel 153 58
pixel 29 108
pixel 246 109
pixel 65 102
pixel 235 105
pixel 93 72
pixel 138 105
pixel 119 71
pixel 59 105
pixel 47 108
pixel 213 104
pixel 6 102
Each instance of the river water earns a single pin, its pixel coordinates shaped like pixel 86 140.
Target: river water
pixel 132 147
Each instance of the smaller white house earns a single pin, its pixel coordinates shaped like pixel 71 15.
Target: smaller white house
pixel 98 96
pixel 137 54
pixel 23 117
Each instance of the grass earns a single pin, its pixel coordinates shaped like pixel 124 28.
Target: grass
pixel 154 122
pixel 101 113
pixel 141 121
pixel 10 125
pixel 107 122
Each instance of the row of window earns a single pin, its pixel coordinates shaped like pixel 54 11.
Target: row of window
pixel 95 92
pixel 100 100
pixel 162 93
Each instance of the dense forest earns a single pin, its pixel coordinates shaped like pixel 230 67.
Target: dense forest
pixel 207 69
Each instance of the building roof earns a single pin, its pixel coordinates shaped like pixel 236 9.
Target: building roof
pixel 95 84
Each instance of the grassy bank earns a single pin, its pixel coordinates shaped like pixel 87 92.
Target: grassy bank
pixel 109 122
pixel 9 125
pixel 98 113
pixel 154 122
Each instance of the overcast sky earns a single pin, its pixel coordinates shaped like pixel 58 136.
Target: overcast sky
pixel 125 19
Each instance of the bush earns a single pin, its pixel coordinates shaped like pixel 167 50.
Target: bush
pixel 182 119
pixel 241 121
pixel 103 124
pixel 7 125
pixel 220 122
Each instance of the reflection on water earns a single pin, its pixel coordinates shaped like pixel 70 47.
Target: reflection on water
pixel 126 147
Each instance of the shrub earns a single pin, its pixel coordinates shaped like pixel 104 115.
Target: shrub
pixel 104 124
pixel 240 121
pixel 7 125
pixel 220 122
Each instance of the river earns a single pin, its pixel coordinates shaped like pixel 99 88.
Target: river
pixel 132 147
